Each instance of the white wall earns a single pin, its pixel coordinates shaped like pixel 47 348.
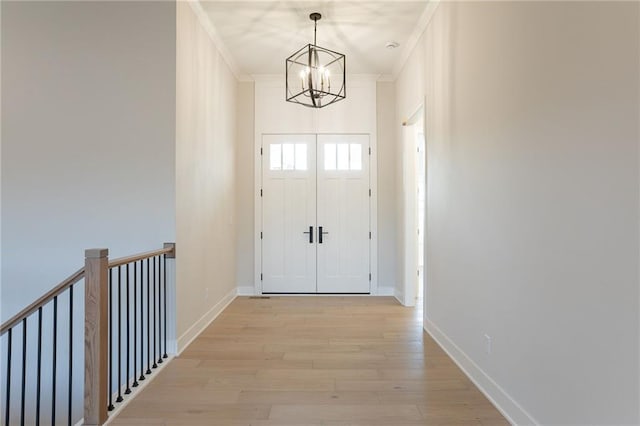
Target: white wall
pixel 205 178
pixel 88 130
pixel 533 201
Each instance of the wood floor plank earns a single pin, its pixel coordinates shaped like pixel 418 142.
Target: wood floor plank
pixel 308 398
pixel 346 412
pixel 312 361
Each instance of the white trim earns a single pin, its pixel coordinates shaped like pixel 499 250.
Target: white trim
pixel 408 48
pixel 410 261
pixel 373 202
pixel 198 327
pixel 389 78
pixel 399 296
pixel 373 209
pixel 257 206
pixel 276 295
pixel 206 23
pixel 510 409
pixel 413 39
pixel 351 78
pixel 134 392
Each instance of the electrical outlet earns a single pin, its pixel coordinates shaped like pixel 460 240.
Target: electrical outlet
pixel 487 344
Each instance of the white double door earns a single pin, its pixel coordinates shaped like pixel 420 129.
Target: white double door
pixel 315 214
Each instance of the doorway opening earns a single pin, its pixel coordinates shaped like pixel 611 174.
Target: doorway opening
pixel 414 180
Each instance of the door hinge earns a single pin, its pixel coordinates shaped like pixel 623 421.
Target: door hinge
pixel 261 192
pixel 260 276
pixel 260 150
pixel 369 150
pixel 369 192
pixel 369 276
pixel 260 234
pixel 369 234
pixel 418 272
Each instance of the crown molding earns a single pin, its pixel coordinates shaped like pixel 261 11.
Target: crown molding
pixel 418 30
pixel 352 77
pixel 408 48
pixel 386 78
pixel 197 8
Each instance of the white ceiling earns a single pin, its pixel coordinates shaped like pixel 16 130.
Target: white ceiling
pixel 260 35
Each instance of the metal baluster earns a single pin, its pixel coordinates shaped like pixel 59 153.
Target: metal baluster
pixel 154 313
pixel 165 304
pixel 24 369
pixel 39 368
pixel 70 401
pixel 119 337
pixel 142 320
pixel 55 355
pixel 110 349
pixel 128 390
pixel 159 310
pixel 8 390
pixel 148 321
pixel 135 323
pixel 119 398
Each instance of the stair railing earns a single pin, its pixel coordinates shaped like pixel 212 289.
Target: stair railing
pixel 125 326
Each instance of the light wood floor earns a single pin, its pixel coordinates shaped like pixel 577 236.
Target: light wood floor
pixel 313 361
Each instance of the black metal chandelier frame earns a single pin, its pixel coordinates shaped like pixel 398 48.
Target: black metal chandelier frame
pixel 314 77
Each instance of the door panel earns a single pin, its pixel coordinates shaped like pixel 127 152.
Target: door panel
pixel 288 210
pixel 343 212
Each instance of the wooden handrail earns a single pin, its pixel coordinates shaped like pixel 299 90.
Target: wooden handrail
pixel 57 290
pixel 128 259
pixel 74 278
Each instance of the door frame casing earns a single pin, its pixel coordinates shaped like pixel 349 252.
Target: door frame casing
pixel 410 249
pixel 373 206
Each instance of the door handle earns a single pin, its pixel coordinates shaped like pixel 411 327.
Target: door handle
pixel 320 234
pixel 310 232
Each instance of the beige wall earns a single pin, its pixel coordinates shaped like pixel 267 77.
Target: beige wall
pixel 304 120
pixel 387 151
pixel 361 112
pixel 205 178
pixel 533 202
pixel 245 155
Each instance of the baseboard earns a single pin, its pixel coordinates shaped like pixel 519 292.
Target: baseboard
pixel 510 409
pixel 399 295
pixel 246 290
pixel 142 384
pixel 199 326
pixel 386 291
pixel 135 392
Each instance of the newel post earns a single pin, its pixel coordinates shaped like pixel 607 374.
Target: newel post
pixel 95 336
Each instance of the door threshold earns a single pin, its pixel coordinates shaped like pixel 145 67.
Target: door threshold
pixel 317 294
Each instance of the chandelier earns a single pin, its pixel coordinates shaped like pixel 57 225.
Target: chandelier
pixel 315 76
